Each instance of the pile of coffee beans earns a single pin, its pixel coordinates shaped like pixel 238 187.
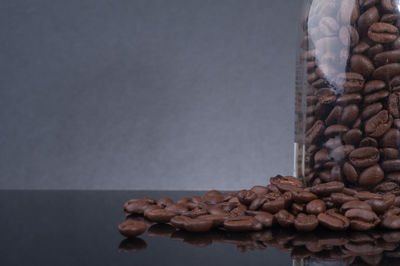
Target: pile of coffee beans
pixel 285 202
pixel 351 104
pixel 350 248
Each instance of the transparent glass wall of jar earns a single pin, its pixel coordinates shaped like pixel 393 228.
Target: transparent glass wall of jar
pixel 348 93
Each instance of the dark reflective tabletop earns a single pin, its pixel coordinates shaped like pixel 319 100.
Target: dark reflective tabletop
pixel 79 228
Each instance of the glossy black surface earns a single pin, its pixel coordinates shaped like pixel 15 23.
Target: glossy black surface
pixel 79 228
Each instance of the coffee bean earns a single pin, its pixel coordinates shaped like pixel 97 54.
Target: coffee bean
pixel 378 124
pixel 266 219
pixel 305 223
pixel 350 173
pixel 334 115
pixel 304 196
pixel 163 202
pixel 361 219
pixel 376 96
pixel 360 48
pixel 387 72
pixel 131 228
pixel 350 82
pixel 393 104
pixel 362 65
pixel 333 221
pixel 364 157
pixel 159 215
pixel 315 206
pixel 386 187
pixel 327 188
pixel 273 206
pixel 389 153
pixel 391 139
pixel 315 132
pixel 371 176
pixel 374 50
pixel 241 223
pixel 387 57
pixel 383 32
pixel 259 190
pixel 341 198
pixel 284 218
pixel 391 165
pixel 198 224
pixel 368 142
pixel 391 222
pixel 368 18
pixel 350 98
pixel 395 84
pixel 335 130
pixel 374 86
pixel 371 110
pixel 349 114
pixel 380 206
pixel 352 137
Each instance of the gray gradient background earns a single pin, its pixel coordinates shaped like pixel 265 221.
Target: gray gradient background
pixel 146 94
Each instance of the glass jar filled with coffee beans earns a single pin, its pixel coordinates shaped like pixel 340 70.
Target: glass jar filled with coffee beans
pixel 348 94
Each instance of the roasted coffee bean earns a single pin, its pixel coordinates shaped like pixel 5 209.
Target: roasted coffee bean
pixel 305 223
pixel 394 176
pixel 393 104
pixel 383 32
pixel 316 206
pixel 371 176
pixel 198 224
pixel 284 218
pixel 327 188
pixel 304 196
pixel 361 219
pixel 391 222
pixel 360 48
pixel 380 206
pixel 349 114
pixel 163 202
pixel 368 18
pixel 296 208
pixel 394 84
pixel 352 137
pixel 391 165
pixel 375 97
pixel 371 110
pixel 364 157
pixel 350 82
pixel 340 153
pixel 131 228
pixel 266 219
pixel 246 196
pixel 160 215
pixel 333 221
pixel 341 198
pixel 362 65
pixel 389 153
pixel 177 208
pixel 179 221
pixel 242 223
pixel 259 190
pixel 387 57
pixel 378 124
pixel 366 195
pixel 354 204
pixel 347 99
pixel 136 207
pixel 387 72
pixel 391 139
pixel 386 187
pixel 368 142
pixel 273 206
pixel 334 116
pixel 374 50
pixel 257 203
pixel 374 86
pixel 350 173
pixel 335 130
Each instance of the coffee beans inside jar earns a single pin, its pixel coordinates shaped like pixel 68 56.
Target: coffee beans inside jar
pixel 348 94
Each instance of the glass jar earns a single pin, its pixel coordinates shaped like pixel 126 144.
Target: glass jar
pixel 348 94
